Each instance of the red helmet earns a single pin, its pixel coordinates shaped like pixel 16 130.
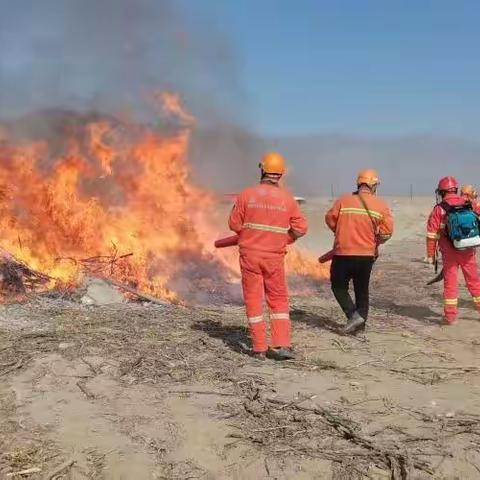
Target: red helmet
pixel 447 184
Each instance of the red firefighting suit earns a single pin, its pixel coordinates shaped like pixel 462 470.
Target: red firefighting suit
pixel 263 215
pixel 452 259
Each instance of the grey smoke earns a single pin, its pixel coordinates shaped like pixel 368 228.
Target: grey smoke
pixel 318 162
pixel 416 161
pixel 109 54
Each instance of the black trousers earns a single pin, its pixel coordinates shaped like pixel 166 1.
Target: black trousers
pixel 357 269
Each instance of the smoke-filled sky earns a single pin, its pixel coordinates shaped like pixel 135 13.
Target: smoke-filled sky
pixel 337 84
pixel 285 67
pixel 111 54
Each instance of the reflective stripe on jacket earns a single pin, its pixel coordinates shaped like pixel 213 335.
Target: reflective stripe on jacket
pixel 262 216
pixel 359 230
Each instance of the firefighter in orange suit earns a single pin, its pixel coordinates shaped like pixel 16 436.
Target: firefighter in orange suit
pixel 469 193
pixel 453 259
pixel 266 217
pixel 360 221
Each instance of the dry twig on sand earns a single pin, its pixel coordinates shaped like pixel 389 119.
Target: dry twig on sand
pixel 27 471
pixel 391 455
pixel 85 391
pixel 135 292
pixel 17 366
pixel 62 468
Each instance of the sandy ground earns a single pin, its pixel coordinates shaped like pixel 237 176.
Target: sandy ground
pixel 151 392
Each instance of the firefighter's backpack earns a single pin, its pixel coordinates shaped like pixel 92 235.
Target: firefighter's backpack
pixel 462 226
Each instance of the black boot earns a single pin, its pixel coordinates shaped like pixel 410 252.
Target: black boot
pixel 280 353
pixel 354 325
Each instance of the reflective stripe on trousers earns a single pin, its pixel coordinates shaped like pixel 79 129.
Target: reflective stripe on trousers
pixel 452 261
pixel 266 278
pixel 255 319
pixel 450 301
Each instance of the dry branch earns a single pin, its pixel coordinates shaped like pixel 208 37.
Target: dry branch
pixel 128 368
pixel 103 267
pixel 85 391
pixel 28 471
pixel 62 468
pixel 201 392
pixel 90 366
pixel 17 366
pixel 135 292
pixel 104 264
pixel 392 458
pixel 18 278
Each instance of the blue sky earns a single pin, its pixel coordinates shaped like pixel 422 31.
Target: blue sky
pixel 375 68
pixel 361 67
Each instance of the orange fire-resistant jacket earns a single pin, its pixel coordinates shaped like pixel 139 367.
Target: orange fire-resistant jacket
pixel 262 216
pixel 359 230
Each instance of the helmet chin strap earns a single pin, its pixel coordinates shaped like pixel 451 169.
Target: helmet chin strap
pixel 372 188
pixel 270 177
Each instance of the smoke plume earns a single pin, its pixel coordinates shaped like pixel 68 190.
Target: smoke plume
pixel 109 55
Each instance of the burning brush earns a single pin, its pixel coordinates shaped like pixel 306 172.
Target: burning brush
pixel 16 278
pixel 93 181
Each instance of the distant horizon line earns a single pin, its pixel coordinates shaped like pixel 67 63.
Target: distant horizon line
pixel 264 136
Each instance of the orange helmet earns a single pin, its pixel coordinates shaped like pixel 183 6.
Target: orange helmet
pixel 368 177
pixel 273 162
pixel 469 191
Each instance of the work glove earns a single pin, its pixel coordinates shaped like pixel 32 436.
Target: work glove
pixel 292 236
pixel 429 260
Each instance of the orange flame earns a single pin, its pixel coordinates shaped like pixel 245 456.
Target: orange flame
pixel 111 190
pixel 99 148
pixel 305 264
pixel 171 104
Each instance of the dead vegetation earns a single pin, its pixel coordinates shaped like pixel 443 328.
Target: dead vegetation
pixel 366 405
pixel 172 347
pixel 17 279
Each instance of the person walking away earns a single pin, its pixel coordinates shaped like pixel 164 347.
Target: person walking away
pixel 457 252
pixel 469 194
pixel 266 217
pixel 361 221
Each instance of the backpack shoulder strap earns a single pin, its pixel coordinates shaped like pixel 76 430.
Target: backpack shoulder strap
pixel 446 206
pixel 373 221
pixel 456 208
pixel 365 206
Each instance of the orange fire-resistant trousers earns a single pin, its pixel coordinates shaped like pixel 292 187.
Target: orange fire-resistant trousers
pixel 265 277
pixel 452 261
